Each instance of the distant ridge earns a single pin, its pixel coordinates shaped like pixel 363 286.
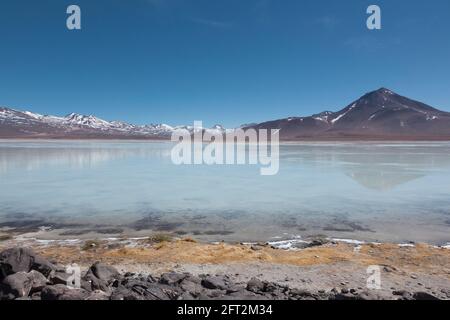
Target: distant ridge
pixel 378 115
pixel 25 124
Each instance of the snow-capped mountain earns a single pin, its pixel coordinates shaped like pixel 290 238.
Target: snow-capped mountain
pixel 16 123
pixel 380 114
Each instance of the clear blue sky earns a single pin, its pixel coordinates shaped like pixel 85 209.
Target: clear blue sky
pixel 220 61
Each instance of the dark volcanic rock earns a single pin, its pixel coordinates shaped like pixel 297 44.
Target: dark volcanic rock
pixel 318 242
pixel 192 285
pixel 60 278
pixel 172 278
pixel 123 293
pixel 43 266
pixel 91 282
pixel 364 295
pixel 23 260
pixel 15 260
pixel 255 285
pixel 211 282
pixel 102 282
pixel 154 292
pixel 62 292
pixel 38 280
pixel 302 294
pixel 20 284
pixel 98 295
pixel 100 277
pixel 403 294
pixel 104 272
pixel 424 296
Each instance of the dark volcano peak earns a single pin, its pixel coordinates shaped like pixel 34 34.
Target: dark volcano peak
pixel 384 91
pixel 380 93
pixel 379 114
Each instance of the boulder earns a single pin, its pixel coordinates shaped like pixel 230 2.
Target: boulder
pixel 99 277
pixel 255 285
pixel 90 282
pixel 192 278
pixel 15 260
pixel 123 293
pixel 154 292
pixel 98 295
pixel 194 288
pixel 316 242
pixel 43 266
pixel 404 295
pixel 312 242
pixel 23 260
pixel 104 272
pixel 86 285
pixel 39 281
pixel 211 282
pixel 172 278
pixel 273 287
pixel 60 278
pixel 130 283
pixel 302 294
pixel 21 284
pixel 62 292
pixel 16 285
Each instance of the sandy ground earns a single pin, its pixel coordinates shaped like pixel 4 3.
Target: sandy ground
pixel 413 268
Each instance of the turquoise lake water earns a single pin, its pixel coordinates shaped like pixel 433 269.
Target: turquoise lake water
pixel 367 191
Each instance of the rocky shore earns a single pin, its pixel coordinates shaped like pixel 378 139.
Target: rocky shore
pixel 25 275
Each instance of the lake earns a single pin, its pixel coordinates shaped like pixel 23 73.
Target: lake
pixel 397 192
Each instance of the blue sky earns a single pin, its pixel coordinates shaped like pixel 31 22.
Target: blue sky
pixel 220 61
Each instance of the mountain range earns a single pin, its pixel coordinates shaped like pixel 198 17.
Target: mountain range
pixel 378 115
pixel 26 124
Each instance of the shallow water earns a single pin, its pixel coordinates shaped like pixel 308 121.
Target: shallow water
pixel 367 191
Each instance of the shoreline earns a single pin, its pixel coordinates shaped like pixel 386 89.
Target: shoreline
pixel 288 247
pixel 285 242
pixel 281 142
pixel 39 230
pixel 28 233
pixel 328 267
